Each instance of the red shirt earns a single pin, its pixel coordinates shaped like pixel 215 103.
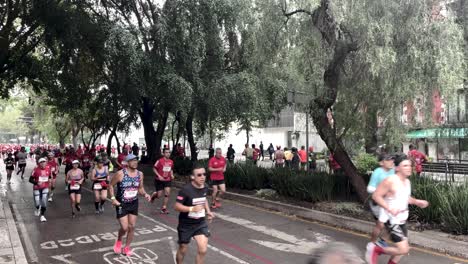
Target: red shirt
pixel 256 153
pixel 41 176
pixel 216 163
pixel 418 159
pixel 165 168
pixel 53 166
pixel 302 155
pixel 120 159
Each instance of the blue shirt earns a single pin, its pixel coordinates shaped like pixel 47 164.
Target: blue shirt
pixel 377 177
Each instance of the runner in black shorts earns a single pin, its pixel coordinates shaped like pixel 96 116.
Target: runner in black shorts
pixel 129 183
pixel 217 166
pixel 74 179
pixel 193 207
pixel 9 166
pixel 100 178
pixel 164 174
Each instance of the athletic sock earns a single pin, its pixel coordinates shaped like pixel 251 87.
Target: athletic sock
pixel 96 205
pixel 102 202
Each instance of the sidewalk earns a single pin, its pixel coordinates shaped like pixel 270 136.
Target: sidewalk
pixel 11 249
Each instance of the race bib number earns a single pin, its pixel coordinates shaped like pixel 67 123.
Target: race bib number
pixel 130 194
pixel 97 186
pixel 198 201
pixel 167 168
pixel 75 187
pixel 43 179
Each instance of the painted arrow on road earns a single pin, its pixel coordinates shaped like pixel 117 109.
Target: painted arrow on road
pixel 295 245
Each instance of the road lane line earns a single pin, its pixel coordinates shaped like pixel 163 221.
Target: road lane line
pixel 215 249
pixel 294 218
pixel 27 240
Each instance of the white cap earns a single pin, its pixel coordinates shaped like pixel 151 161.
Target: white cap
pixel 42 160
pixel 75 162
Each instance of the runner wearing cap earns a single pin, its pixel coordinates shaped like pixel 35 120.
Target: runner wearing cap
pixel 164 171
pixel 129 183
pixel 40 178
pixel 75 178
pixel 380 174
pixel 100 178
pixel 54 169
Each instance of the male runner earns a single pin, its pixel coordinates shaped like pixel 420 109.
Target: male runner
pixel 75 178
pixel 164 174
pixel 394 195
pixel 54 169
pixel 193 207
pixel 217 166
pixel 40 177
pixel 121 163
pixel 418 158
pixel 100 178
pixel 9 166
pixel 21 159
pixel 129 183
pixel 384 171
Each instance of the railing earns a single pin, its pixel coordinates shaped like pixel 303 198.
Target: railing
pixel 446 170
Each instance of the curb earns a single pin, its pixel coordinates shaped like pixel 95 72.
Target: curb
pixel 13 234
pixel 435 241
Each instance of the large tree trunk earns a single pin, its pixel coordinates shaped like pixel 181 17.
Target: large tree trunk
pixel 109 140
pixel 191 140
pixel 146 116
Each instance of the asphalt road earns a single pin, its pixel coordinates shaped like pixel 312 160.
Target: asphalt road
pixel 240 234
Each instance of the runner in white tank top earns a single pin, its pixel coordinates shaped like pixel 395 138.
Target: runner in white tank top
pixel 394 195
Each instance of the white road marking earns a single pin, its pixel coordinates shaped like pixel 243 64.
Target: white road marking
pixel 140 255
pixel 296 245
pixel 215 249
pixel 64 259
pixel 27 240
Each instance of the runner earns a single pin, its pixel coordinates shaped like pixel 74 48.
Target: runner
pixel 100 178
pixel 394 195
pixel 193 207
pixel 21 159
pixel 54 170
pixel 129 183
pixel 164 174
pixel 9 166
pixel 279 157
pixel 121 159
pixel 85 164
pixel 418 158
pixel 74 179
pixel 107 162
pixel 385 170
pixel 217 166
pixel 40 177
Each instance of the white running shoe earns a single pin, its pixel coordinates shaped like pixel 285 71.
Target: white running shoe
pixel 50 199
pixel 43 219
pixel 37 212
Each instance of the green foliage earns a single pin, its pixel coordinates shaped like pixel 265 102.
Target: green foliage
pixel 366 163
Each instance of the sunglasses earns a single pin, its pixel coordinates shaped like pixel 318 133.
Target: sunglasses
pixel 200 174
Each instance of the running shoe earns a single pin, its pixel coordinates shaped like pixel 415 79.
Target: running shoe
pixel 213 206
pixel 101 208
pixel 50 199
pixel 73 215
pixel 43 219
pixel 37 212
pixel 97 211
pixel 218 204
pixel 164 211
pixel 118 247
pixel 127 251
pixel 372 253
pixel 381 243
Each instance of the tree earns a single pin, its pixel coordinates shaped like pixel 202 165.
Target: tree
pixel 348 54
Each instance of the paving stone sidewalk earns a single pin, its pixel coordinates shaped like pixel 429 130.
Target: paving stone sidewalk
pixel 11 249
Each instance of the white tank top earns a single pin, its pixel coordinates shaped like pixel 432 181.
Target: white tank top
pixel 399 201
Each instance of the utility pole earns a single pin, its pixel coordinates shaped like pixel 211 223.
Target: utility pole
pixel 303 97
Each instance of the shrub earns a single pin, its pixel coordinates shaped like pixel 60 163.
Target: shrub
pixel 454 208
pixel 366 163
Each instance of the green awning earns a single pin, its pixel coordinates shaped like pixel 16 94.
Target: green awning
pixel 446 132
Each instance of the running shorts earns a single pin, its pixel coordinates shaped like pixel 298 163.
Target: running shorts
pixel 160 185
pixel 10 168
pixel 126 209
pixel 22 165
pixel 217 182
pixel 398 232
pixel 96 186
pixel 70 191
pixel 187 231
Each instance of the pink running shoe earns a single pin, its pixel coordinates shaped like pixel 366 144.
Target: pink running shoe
pixel 127 251
pixel 118 247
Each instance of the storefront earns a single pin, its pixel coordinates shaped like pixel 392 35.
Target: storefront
pixel 441 144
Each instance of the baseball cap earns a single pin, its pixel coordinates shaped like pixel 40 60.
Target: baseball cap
pixel 386 156
pixel 130 157
pixel 75 162
pixel 42 160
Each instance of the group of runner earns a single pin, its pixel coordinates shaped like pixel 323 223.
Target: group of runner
pixel 124 187
pixel 390 190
